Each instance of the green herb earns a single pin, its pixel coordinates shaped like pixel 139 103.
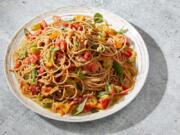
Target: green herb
pixel 94 110
pixel 119 70
pixel 81 75
pixel 102 94
pixel 122 31
pixel 80 107
pixel 33 50
pixel 107 87
pixel 26 32
pixel 76 43
pixel 98 18
pixel 22 54
pixel 47 103
pixel 34 74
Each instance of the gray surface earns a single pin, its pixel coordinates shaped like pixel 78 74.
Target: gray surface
pixel 155 111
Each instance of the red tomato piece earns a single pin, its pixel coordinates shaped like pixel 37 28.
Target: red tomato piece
pixel 87 108
pixel 87 56
pixel 65 24
pixel 41 70
pixel 34 58
pixel 34 89
pixel 18 64
pixel 127 53
pixel 63 45
pixel 92 67
pixel 105 102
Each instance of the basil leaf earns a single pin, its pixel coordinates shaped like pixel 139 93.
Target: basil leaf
pixel 34 74
pixel 80 107
pixel 98 18
pixel 102 94
pixel 119 70
pixel 107 87
pixel 81 75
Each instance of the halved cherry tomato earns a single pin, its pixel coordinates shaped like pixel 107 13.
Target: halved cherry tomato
pixel 34 89
pixel 127 53
pixel 76 27
pixel 105 102
pixel 91 67
pixel 34 58
pixel 87 56
pixel 41 70
pixel 61 44
pixel 87 108
pixel 65 24
pixel 18 64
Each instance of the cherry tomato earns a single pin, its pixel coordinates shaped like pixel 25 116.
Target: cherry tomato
pixel 41 70
pixel 34 58
pixel 34 89
pixel 91 67
pixel 18 64
pixel 63 45
pixel 127 53
pixel 104 102
pixel 87 108
pixel 65 24
pixel 87 56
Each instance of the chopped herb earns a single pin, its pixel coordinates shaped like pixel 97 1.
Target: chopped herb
pixel 80 107
pixel 22 54
pixel 34 74
pixel 102 94
pixel 76 43
pixel 94 110
pixel 47 103
pixel 98 18
pixel 107 87
pixel 80 74
pixel 119 70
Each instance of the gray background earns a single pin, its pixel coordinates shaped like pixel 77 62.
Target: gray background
pixel 155 111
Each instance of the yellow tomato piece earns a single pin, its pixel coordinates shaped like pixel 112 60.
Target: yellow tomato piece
pixel 54 35
pixel 79 18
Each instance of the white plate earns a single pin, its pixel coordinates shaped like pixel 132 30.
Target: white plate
pixel 117 22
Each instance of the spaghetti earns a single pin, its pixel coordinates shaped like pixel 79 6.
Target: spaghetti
pixel 75 66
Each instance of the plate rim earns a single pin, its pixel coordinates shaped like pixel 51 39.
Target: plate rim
pixel 61 118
